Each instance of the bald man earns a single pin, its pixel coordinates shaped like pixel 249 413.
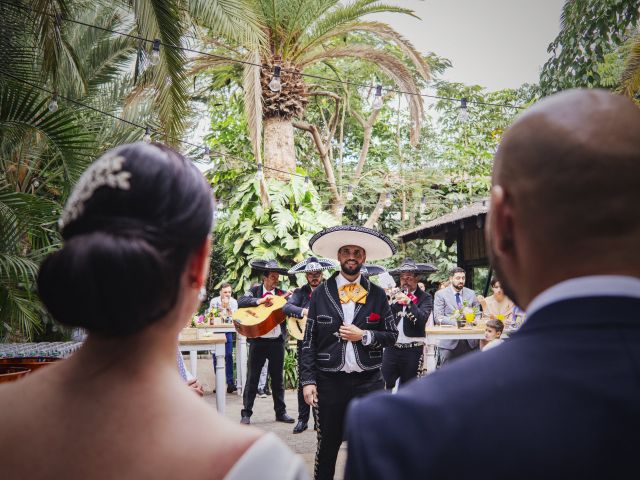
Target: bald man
pixel 561 399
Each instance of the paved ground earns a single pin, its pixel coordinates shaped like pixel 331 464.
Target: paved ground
pixel 263 417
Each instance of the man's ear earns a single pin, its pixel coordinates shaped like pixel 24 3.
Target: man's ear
pixel 500 231
pixel 198 263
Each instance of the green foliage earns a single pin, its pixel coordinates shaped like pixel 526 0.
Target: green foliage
pixel 291 367
pixel 590 30
pixel 247 230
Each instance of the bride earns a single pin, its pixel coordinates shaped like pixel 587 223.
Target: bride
pixel 136 232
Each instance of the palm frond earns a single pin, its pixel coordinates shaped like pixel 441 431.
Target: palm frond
pixel 385 32
pixel 343 15
pixel 630 77
pixel 233 19
pixel 163 20
pixel 393 68
pixel 253 103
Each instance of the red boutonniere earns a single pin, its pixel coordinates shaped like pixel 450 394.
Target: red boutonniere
pixel 374 317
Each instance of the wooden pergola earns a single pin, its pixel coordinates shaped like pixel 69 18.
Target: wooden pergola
pixel 465 227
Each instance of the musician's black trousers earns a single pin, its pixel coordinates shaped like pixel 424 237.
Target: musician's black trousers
pixel 303 408
pixel 400 363
pixel 261 349
pixel 335 391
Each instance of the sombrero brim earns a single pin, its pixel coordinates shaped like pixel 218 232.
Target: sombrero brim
pixel 260 266
pixel 372 270
pixel 419 269
pixel 327 242
pixel 318 265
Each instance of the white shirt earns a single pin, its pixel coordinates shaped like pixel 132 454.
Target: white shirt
pixel 217 303
pixel 402 338
pixel 274 332
pixel 589 286
pixel 348 309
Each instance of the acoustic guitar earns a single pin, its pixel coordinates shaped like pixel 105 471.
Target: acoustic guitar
pixel 296 327
pixel 254 322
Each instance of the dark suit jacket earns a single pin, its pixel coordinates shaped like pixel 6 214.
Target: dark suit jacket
pixel 560 399
pixel 323 350
pixel 416 314
pixel 298 301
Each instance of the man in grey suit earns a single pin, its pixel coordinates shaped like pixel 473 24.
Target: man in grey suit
pixel 445 302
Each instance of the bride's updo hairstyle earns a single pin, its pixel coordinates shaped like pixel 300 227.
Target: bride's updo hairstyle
pixel 129 226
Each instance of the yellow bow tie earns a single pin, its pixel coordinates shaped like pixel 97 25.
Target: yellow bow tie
pixel 352 292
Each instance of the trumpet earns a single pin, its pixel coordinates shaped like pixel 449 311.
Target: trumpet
pixel 393 292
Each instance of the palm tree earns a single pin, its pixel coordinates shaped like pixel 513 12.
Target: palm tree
pixel 301 34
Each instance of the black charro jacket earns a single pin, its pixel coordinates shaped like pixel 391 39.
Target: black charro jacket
pixel 298 301
pixel 416 314
pixel 323 350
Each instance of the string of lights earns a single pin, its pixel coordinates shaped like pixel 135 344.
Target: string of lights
pixel 53 107
pixel 275 84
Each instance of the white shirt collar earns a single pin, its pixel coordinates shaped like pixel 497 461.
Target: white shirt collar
pixel 340 280
pixel 590 286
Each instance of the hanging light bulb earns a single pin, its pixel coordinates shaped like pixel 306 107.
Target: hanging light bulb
pixel 53 104
pixel 36 183
pixel 463 113
pixel 275 85
pixel 387 202
pixel 207 154
pixel 377 99
pixel 350 193
pixel 259 174
pixel 423 203
pixel 147 135
pixel 154 57
pixel 340 210
pixel 306 182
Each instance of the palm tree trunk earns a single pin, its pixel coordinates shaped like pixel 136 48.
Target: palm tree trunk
pixel 279 150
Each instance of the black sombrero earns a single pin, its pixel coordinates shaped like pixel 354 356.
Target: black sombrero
pixel 267 266
pixel 411 266
pixel 370 270
pixel 313 264
pixel 327 242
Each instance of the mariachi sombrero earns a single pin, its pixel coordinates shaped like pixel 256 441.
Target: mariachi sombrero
pixel 370 270
pixel 267 266
pixel 327 242
pixel 411 266
pixel 312 264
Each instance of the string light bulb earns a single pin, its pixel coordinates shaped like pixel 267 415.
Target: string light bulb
pixel 463 113
pixel 147 135
pixel 350 193
pixel 275 85
pixel 259 173
pixel 377 99
pixel 387 202
pixel 340 210
pixel 207 154
pixel 306 182
pixel 154 57
pixel 53 104
pixel 423 203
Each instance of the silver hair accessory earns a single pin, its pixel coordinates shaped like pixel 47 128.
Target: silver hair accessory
pixel 202 295
pixel 105 171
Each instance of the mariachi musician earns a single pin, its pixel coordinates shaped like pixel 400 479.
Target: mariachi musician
pixel 270 346
pixel 411 307
pixel 348 325
pixel 297 309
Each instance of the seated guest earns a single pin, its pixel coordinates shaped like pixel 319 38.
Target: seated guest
pixel 492 332
pixel 226 306
pixel 497 306
pixel 563 235
pixel 137 238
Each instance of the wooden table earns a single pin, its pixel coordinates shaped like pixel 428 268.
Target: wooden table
pixel 447 332
pixel 191 340
pixel 241 350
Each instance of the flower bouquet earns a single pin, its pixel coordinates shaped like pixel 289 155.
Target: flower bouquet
pixel 465 314
pixel 198 321
pixel 211 316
